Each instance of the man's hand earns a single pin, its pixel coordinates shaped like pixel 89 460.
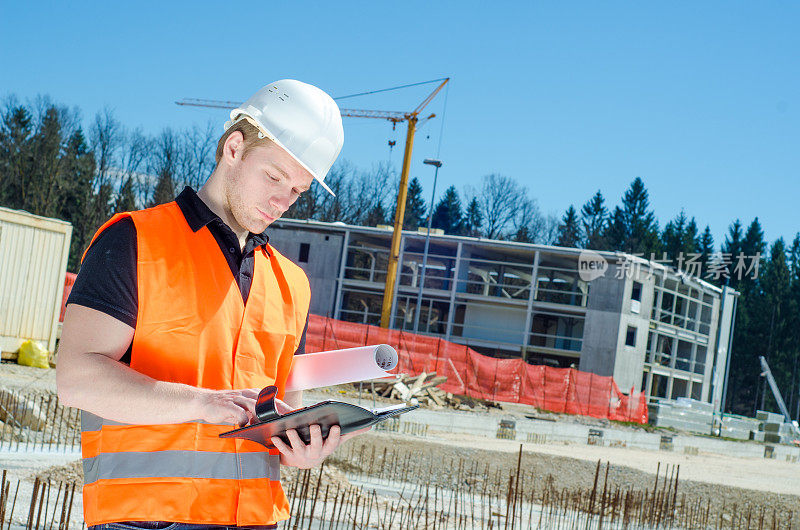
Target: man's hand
pixel 305 456
pixel 235 407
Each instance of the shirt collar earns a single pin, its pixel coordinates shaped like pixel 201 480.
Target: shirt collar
pixel 198 215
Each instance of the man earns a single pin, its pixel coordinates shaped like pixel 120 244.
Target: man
pixel 181 313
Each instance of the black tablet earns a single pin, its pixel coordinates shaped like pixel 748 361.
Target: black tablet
pixel 326 414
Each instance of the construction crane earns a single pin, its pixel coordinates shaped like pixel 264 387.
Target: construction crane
pixel 395 117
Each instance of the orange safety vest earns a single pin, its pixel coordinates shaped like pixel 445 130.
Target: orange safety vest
pixel 192 327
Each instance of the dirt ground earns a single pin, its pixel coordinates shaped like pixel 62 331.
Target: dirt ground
pixel 746 473
pixel 573 466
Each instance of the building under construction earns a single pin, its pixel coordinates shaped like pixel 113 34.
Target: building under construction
pixel 649 327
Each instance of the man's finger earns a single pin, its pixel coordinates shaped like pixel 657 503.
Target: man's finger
pixel 239 417
pixel 280 446
pixel 248 405
pixel 294 438
pixel 315 447
pixel 333 440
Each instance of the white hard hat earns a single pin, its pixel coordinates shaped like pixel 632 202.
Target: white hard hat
pixel 301 119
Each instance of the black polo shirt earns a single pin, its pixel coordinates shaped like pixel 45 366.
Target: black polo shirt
pixel 107 279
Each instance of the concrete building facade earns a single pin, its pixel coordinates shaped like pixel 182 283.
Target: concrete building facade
pixel 649 327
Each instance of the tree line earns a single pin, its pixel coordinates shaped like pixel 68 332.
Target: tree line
pixel 51 165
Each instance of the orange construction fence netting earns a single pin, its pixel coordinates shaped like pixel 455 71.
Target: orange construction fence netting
pixel 472 374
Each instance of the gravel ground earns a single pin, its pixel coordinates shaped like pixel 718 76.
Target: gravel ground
pixel 32 380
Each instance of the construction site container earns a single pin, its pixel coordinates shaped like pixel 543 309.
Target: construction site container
pixel 33 262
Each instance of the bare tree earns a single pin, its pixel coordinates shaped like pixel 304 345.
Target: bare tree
pixel 133 164
pixel 197 148
pixel 333 208
pixel 308 205
pixel 532 226
pixel 500 200
pixel 106 137
pixel 365 190
pixel 528 222
pixel 548 233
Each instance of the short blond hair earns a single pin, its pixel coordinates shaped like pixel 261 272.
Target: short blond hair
pixel 250 134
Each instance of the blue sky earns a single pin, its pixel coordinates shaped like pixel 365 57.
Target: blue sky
pixel 700 99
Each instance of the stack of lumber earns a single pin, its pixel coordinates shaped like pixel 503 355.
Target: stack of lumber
pixel 422 387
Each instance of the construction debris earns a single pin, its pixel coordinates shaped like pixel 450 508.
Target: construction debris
pixel 424 388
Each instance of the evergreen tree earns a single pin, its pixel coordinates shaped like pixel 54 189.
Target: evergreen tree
pixel 755 324
pixel 748 263
pixel 164 165
pixel 126 199
pixel 416 213
pixel 523 235
pixel 633 227
pixel 732 246
pixel 616 232
pixel 779 349
pixel 15 157
pixel 376 216
pixel 473 219
pixel 794 256
pixel 569 231
pixel 164 191
pixel 680 240
pixel 46 146
pixel 706 250
pixel 447 214
pixel 692 238
pixel 78 205
pixel 753 244
pixel 594 218
pixel 792 325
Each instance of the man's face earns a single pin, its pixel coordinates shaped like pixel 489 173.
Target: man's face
pixel 263 185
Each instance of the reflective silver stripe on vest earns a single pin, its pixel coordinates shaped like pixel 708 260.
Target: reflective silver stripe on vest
pixel 92 422
pixel 189 464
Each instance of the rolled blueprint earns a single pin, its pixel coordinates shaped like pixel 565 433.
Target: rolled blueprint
pixel 336 367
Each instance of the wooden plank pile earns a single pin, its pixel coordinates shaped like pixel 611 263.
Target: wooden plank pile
pixel 424 388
